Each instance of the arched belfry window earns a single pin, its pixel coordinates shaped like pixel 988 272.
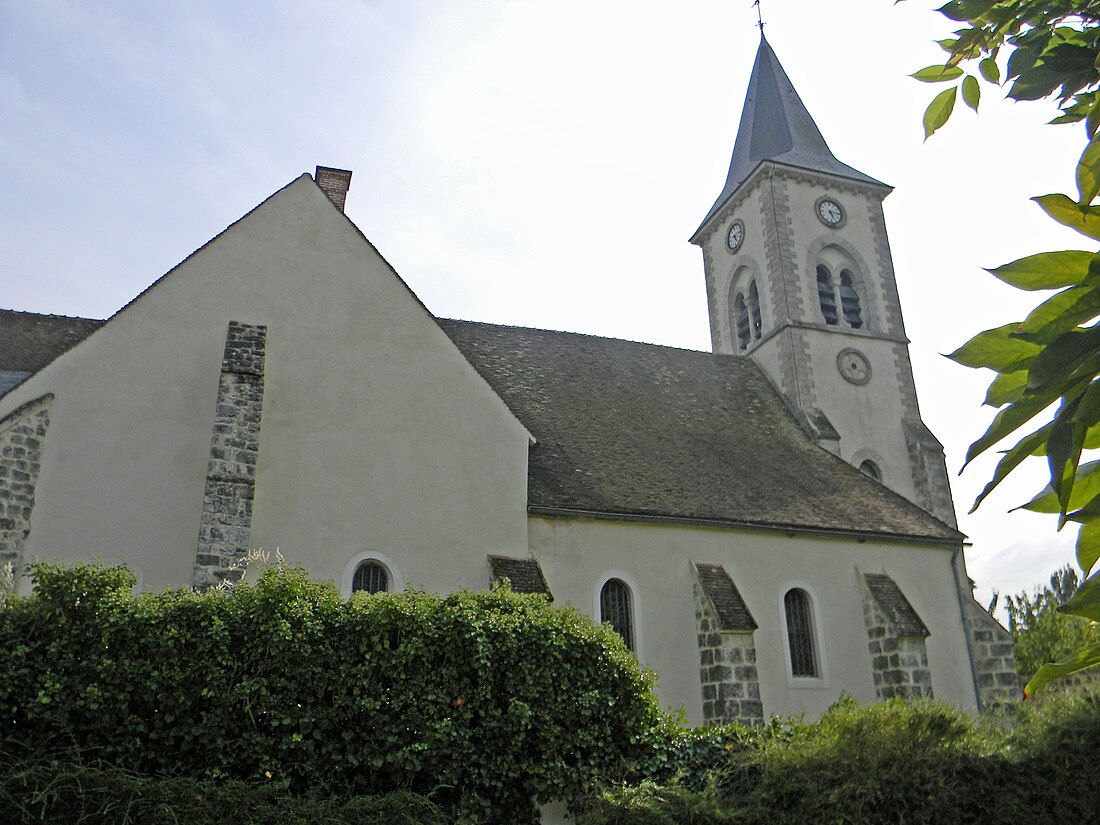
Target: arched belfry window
pixel 370 577
pixel 616 609
pixel 826 295
pixel 741 317
pixel 849 300
pixel 800 634
pixel 754 310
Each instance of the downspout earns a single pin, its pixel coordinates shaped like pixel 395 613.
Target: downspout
pixel 967 630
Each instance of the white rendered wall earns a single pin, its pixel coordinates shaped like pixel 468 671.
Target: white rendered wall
pixel 576 553
pixel 376 433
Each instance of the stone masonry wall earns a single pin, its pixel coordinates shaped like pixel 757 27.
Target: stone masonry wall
pixel 22 434
pixel 998 683
pixel 226 523
pixel 727 669
pixel 899 665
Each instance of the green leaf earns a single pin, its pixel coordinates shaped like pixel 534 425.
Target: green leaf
pixel 971 92
pixel 937 74
pixel 1088 172
pixel 1068 212
pixel 997 349
pixel 1006 422
pixel 1085 488
pixel 1006 388
pixel 938 111
pixel 1088 542
pixel 1047 270
pixel 1062 356
pixel 1061 313
pixel 1083 659
pixel 990 70
pixel 1026 446
pixel 1086 601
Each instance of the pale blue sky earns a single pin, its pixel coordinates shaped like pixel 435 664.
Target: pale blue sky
pixel 527 162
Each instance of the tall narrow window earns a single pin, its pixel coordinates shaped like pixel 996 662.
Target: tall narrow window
pixel 826 296
pixel 616 610
pixel 742 314
pixel 754 310
pixel 370 577
pixel 849 300
pixel 800 633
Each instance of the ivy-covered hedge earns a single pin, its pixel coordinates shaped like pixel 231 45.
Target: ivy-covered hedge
pixel 481 701
pixel 882 764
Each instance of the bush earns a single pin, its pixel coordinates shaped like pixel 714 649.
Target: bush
pixel 480 701
pixel 885 763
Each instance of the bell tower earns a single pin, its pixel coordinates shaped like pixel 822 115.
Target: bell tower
pixel 800 279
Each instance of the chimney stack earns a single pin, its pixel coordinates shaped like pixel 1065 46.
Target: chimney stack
pixel 335 183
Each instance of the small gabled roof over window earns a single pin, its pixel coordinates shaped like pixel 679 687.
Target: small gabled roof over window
pixel 894 604
pixel 733 613
pixel 524 575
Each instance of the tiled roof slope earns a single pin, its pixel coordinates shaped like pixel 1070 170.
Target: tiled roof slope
pixel 525 575
pixel 895 605
pixel 29 341
pixel 733 613
pixel 643 430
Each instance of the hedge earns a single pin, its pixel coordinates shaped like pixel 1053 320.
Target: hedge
pixel 920 764
pixel 483 702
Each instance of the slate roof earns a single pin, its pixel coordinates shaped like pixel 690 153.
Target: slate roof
pixel 775 125
pixel 733 613
pixel 29 341
pixel 895 605
pixel 524 575
pixel 646 431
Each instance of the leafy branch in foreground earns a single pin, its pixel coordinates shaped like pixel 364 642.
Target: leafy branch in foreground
pixel 1037 50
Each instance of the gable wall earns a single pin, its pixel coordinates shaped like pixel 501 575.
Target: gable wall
pixel 576 554
pixel 375 433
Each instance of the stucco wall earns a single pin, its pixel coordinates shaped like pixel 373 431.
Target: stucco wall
pixel 376 434
pixel 577 554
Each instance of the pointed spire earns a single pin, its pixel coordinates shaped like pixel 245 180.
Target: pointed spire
pixel 775 125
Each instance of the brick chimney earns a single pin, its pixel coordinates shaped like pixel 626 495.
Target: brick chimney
pixel 335 183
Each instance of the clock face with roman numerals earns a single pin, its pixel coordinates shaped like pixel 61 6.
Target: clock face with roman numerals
pixel 830 212
pixel 736 235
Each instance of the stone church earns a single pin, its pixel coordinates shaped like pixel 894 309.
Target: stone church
pixel 766 525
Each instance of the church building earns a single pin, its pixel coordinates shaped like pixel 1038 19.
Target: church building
pixel 767 525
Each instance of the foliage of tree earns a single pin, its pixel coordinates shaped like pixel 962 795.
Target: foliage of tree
pixel 1040 49
pixel 1043 634
pixel 482 702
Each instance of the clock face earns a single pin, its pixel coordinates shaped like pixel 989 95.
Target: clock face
pixel 736 236
pixel 854 366
pixel 830 212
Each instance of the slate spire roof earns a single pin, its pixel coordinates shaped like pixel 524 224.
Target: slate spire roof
pixel 776 126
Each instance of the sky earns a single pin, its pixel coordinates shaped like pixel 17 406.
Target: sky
pixel 523 162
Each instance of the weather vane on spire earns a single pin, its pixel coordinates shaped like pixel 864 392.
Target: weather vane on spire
pixel 759 17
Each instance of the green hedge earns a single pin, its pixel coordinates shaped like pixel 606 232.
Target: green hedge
pixel 882 764
pixel 62 788
pixel 480 701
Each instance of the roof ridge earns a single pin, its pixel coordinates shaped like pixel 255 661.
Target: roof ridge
pixel 52 315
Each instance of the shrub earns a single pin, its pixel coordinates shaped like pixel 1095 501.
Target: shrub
pixel 481 701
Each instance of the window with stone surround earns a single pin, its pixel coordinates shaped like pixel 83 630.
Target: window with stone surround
pixel 741 313
pixel 370 577
pixel 849 300
pixel 826 295
pixel 616 609
pixel 801 644
pixel 754 310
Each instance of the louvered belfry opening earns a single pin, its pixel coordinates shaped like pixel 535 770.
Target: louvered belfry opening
pixel 826 296
pixel 849 300
pixel 616 610
pixel 370 577
pixel 800 633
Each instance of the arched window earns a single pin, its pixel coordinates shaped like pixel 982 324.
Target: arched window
pixel 826 296
pixel 616 609
pixel 869 468
pixel 849 300
pixel 370 577
pixel 741 313
pixel 800 634
pixel 754 310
